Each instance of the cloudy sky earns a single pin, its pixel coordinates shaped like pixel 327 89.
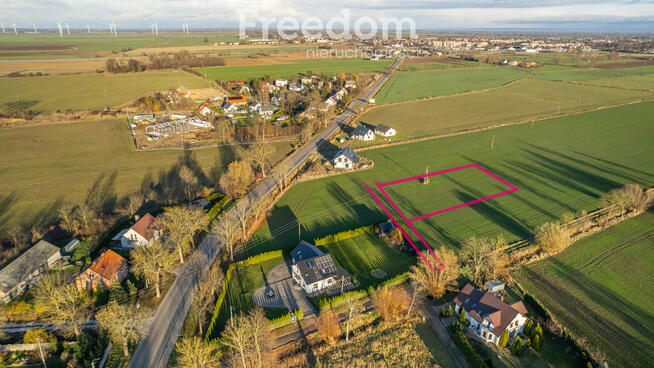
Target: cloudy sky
pixel 554 15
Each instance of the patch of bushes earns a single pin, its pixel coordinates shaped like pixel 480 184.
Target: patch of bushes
pixel 217 208
pixel 333 238
pixel 340 299
pixel 285 319
pixel 468 351
pixel 261 257
pixel 221 298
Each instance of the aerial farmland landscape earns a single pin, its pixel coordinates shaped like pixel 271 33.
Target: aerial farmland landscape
pixel 303 184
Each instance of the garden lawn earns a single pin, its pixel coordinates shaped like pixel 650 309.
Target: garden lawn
pixel 327 66
pixel 242 285
pixel 558 165
pixel 407 86
pixel 522 101
pixel 367 252
pixel 93 161
pixel 88 92
pixel 599 288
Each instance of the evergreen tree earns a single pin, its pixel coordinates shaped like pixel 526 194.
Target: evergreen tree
pixel 528 328
pixel 449 311
pixel 443 312
pixel 462 316
pixel 536 342
pixel 538 330
pixel 118 294
pixel 504 339
pixel 516 348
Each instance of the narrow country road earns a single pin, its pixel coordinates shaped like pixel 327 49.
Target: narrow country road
pixel 154 350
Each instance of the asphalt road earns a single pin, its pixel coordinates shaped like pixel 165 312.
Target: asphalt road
pixel 154 350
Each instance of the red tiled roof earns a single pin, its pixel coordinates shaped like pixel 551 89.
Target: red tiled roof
pixel 236 99
pixel 146 226
pixel 108 264
pixel 479 305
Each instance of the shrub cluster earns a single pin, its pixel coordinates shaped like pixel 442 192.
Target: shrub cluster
pixel 285 319
pixel 464 345
pixel 340 299
pixel 217 208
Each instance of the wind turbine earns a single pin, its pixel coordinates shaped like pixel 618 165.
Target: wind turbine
pixel 156 28
pixel 15 31
pixel 35 31
pixel 152 27
pixel 61 32
pixel 3 27
pixel 186 24
pixel 88 28
pixel 68 28
pixel 112 27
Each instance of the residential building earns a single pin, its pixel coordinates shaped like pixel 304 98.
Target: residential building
pixel 20 273
pixel 350 84
pixel 279 83
pixel 317 272
pixel 297 87
pixel 494 286
pixel 236 100
pixel 183 91
pixel 267 110
pixel 144 231
pixel 204 109
pixel 345 159
pixel 363 134
pixel 107 269
pixel 229 108
pixel 489 316
pixel 384 130
pixel 255 106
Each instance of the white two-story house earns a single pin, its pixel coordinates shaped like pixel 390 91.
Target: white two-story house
pixel 345 159
pixel 489 316
pixel 144 231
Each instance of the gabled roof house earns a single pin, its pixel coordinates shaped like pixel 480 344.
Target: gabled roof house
pixel 489 316
pixel 144 231
pixel 107 269
pixel 316 272
pixel 26 269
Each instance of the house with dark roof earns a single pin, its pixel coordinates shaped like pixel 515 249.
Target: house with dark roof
pixel 363 134
pixel 107 269
pixel 345 159
pixel 489 316
pixel 144 231
pixel 384 130
pixel 26 269
pixel 316 272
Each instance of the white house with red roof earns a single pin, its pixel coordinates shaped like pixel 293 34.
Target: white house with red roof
pixel 144 231
pixel 489 316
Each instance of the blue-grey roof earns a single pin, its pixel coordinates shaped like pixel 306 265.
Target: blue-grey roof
pixel 360 131
pixel 349 153
pixel 386 226
pixel 304 251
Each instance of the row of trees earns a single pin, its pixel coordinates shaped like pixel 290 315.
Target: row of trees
pixel 164 61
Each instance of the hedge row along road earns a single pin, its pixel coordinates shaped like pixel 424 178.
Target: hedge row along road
pixel 154 350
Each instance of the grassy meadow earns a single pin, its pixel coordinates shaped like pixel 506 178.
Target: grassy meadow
pixel 406 86
pixel 328 66
pixel 88 92
pixel 599 288
pixel 524 100
pixel 558 165
pixel 583 74
pixel 93 161
pixel 643 81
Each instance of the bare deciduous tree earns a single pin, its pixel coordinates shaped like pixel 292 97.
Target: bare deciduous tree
pixel 552 237
pixel 133 203
pixel 258 325
pixel 436 282
pixel 181 224
pixel 391 302
pixel 66 214
pixel 630 197
pixel 189 180
pixel 237 338
pixel 259 153
pixel 237 180
pixel 18 236
pixel 242 211
pixel 205 295
pixel 85 215
pixel 122 322
pixel 227 229
pixel 64 305
pixel 194 352
pixel 352 307
pixel 152 262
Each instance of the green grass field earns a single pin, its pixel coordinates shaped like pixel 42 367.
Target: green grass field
pixel 406 86
pixel 600 288
pixel 83 45
pixel 367 252
pixel 559 165
pixel 86 161
pixel 528 99
pixel 88 91
pixel 644 81
pixel 289 70
pixel 454 64
pixel 582 75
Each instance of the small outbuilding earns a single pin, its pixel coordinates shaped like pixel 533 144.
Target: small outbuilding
pixel 363 134
pixel 384 130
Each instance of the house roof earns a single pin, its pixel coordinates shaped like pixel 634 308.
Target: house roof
pixel 305 250
pixel 25 264
pixel 146 226
pixel 361 131
pixel 108 264
pixel 349 154
pixel 320 268
pixel 267 107
pixel 382 128
pixel 236 99
pixel 386 226
pixel 479 305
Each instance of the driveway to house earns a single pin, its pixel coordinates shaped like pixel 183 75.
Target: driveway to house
pixel 280 282
pixel 155 348
pixel 431 314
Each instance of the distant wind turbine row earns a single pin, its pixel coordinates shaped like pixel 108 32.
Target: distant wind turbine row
pixel 112 28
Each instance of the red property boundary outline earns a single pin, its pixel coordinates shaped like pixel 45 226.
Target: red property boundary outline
pixel 409 221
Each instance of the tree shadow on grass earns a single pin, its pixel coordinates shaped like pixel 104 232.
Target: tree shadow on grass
pixel 102 194
pixel 7 201
pixel 649 176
